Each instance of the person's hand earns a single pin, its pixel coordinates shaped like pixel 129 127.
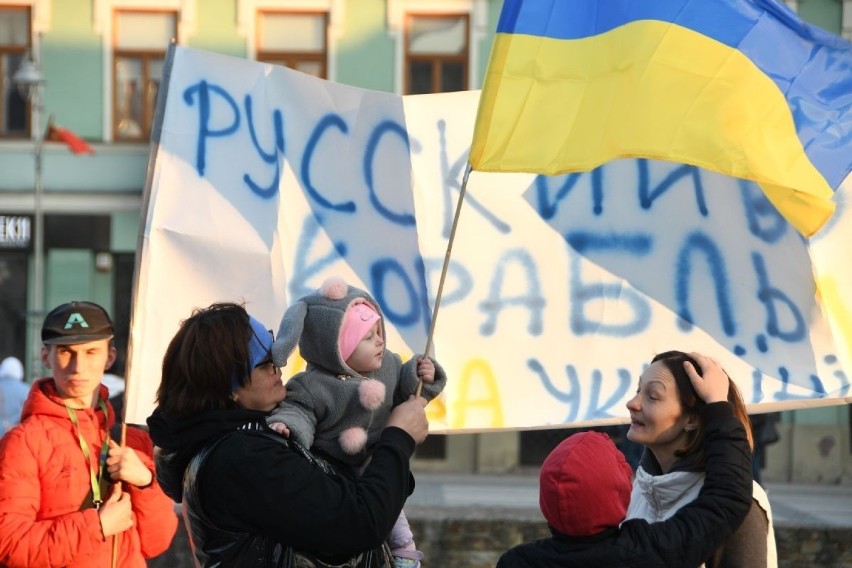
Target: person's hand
pixel 123 464
pixel 281 428
pixel 411 417
pixel 115 513
pixel 713 385
pixel 426 370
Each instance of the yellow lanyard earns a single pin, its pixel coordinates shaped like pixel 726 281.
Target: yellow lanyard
pixel 96 480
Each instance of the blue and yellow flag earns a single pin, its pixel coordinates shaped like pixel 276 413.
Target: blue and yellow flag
pixel 740 87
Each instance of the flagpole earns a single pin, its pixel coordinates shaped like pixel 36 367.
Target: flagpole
pixel 446 266
pixel 154 144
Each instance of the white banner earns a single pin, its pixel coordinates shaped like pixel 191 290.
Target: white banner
pixel 266 181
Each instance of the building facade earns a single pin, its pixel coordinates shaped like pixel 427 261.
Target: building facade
pixel 69 223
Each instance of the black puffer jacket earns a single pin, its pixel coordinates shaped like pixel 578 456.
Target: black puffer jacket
pixel 683 541
pixel 253 484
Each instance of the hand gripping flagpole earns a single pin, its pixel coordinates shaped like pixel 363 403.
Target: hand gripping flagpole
pixel 444 269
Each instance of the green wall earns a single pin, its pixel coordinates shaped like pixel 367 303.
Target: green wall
pixel 365 55
pixel 216 28
pixel 124 232
pixel 494 7
pixel 72 62
pixel 71 276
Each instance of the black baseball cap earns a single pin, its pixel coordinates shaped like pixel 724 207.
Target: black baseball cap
pixel 76 322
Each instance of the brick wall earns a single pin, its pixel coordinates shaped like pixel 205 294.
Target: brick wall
pixel 475 539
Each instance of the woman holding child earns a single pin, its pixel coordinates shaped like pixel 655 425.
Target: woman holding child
pixel 250 497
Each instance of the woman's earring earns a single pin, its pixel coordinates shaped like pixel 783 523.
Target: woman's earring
pixel 688 428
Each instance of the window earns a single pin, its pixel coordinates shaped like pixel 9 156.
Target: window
pixel 298 40
pixel 436 53
pixel 14 43
pixel 140 40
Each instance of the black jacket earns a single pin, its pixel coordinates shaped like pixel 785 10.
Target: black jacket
pixel 253 483
pixel 686 539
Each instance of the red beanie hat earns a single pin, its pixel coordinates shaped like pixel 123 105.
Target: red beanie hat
pixel 585 485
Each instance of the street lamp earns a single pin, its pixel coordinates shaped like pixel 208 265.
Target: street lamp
pixel 30 83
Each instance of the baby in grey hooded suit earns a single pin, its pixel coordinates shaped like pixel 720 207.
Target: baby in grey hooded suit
pixel 341 402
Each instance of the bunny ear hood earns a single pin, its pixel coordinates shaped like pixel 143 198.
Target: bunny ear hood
pixel 289 332
pixel 313 323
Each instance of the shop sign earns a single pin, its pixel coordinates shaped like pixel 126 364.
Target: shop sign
pixel 16 232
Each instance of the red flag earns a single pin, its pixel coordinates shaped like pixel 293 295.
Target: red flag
pixel 74 142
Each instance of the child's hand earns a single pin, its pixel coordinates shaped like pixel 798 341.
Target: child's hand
pixel 281 428
pixel 426 370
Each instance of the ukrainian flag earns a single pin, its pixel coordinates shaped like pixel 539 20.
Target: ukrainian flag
pixel 741 87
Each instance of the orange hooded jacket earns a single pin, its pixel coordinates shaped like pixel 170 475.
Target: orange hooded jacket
pixel 44 481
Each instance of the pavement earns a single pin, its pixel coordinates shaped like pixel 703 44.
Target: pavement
pixel 459 496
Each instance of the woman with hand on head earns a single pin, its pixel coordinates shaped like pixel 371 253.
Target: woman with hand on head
pixel 666 418
pixel 250 497
pixel 585 489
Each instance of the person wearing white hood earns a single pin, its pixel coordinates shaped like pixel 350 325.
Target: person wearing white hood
pixel 13 392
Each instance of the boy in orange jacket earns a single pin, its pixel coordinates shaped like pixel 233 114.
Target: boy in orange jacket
pixel 60 504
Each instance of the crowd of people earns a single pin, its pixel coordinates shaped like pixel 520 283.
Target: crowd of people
pixel 314 472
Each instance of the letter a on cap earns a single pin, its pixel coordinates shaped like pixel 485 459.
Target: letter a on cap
pixel 76 318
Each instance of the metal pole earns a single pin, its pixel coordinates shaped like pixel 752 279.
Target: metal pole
pixel 38 241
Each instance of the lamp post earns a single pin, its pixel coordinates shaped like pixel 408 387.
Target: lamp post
pixel 30 83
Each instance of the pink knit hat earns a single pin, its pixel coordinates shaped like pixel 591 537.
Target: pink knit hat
pixel 357 321
pixel 585 485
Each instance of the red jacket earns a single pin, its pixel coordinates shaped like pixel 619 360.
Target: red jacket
pixel 44 480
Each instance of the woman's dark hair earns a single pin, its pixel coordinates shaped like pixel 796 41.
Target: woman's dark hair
pixel 209 349
pixel 691 403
